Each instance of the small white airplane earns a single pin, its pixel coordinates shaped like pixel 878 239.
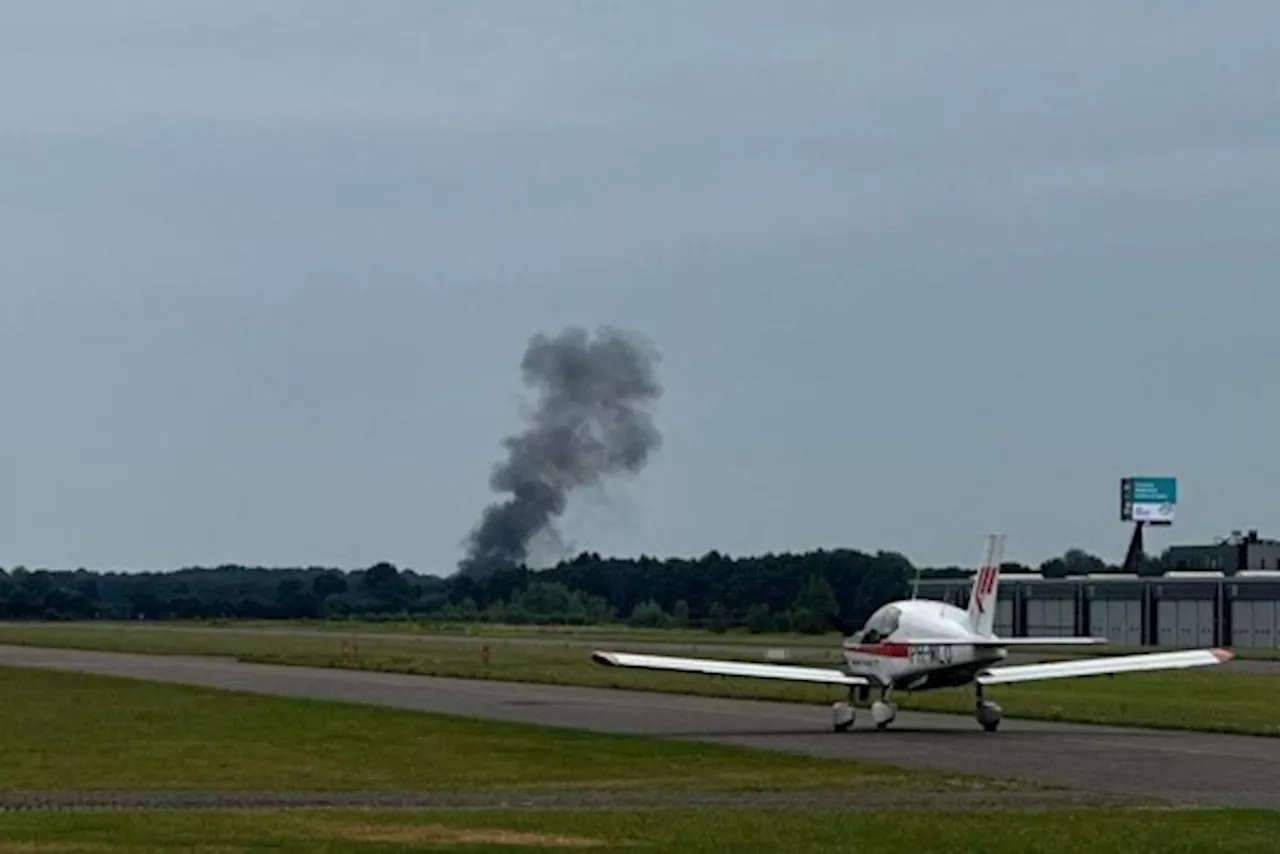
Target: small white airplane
pixel 920 645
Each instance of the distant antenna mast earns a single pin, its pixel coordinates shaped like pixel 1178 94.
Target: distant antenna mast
pixel 915 585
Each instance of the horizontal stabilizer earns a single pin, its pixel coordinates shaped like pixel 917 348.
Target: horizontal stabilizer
pixel 712 667
pixel 1104 666
pixel 982 641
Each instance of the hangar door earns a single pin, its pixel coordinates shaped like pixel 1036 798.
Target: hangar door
pixel 1254 623
pixel 1051 617
pixel 1117 620
pixel 1185 622
pixel 1004 618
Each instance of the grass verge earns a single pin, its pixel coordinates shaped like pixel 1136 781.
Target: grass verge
pixel 695 831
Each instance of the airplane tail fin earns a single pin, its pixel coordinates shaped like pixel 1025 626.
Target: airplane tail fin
pixel 982 599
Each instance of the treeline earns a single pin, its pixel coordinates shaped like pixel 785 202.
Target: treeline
pixel 808 592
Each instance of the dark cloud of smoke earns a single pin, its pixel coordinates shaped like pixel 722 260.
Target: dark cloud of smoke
pixel 591 421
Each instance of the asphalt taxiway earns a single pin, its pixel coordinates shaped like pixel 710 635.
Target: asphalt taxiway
pixel 1176 767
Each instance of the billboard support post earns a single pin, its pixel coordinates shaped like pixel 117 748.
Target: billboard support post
pixel 1133 558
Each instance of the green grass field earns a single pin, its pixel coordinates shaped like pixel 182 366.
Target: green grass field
pixel 695 831
pixel 1241 702
pixel 77 733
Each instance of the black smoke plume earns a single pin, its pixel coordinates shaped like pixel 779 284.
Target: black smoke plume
pixel 591 421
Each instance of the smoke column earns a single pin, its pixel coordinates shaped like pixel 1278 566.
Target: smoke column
pixel 591 421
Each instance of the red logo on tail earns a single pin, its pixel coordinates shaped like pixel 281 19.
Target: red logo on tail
pixel 986 581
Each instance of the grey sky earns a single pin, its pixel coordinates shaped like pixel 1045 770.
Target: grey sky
pixel 268 270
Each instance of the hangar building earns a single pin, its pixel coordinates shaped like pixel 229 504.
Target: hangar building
pixel 1183 608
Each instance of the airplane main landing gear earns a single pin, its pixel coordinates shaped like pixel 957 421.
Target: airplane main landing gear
pixel 842 713
pixel 842 716
pixel 987 712
pixel 882 711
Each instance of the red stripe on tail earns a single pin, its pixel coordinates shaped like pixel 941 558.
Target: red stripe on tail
pixel 986 581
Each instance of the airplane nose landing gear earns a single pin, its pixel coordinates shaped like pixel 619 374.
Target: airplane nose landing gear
pixel 987 712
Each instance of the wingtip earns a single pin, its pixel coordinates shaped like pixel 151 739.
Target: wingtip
pixel 604 658
pixel 1223 654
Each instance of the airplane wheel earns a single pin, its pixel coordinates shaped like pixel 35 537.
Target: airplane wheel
pixel 842 716
pixel 883 714
pixel 989 715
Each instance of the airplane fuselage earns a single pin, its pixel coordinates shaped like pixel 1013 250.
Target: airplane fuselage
pixel 892 660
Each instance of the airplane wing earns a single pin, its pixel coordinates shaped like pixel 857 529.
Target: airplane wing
pixel 1104 666
pixel 829 675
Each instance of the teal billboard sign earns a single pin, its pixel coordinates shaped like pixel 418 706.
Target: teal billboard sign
pixel 1148 499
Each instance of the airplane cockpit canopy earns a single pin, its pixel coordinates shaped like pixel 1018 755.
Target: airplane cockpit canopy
pixel 880 625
